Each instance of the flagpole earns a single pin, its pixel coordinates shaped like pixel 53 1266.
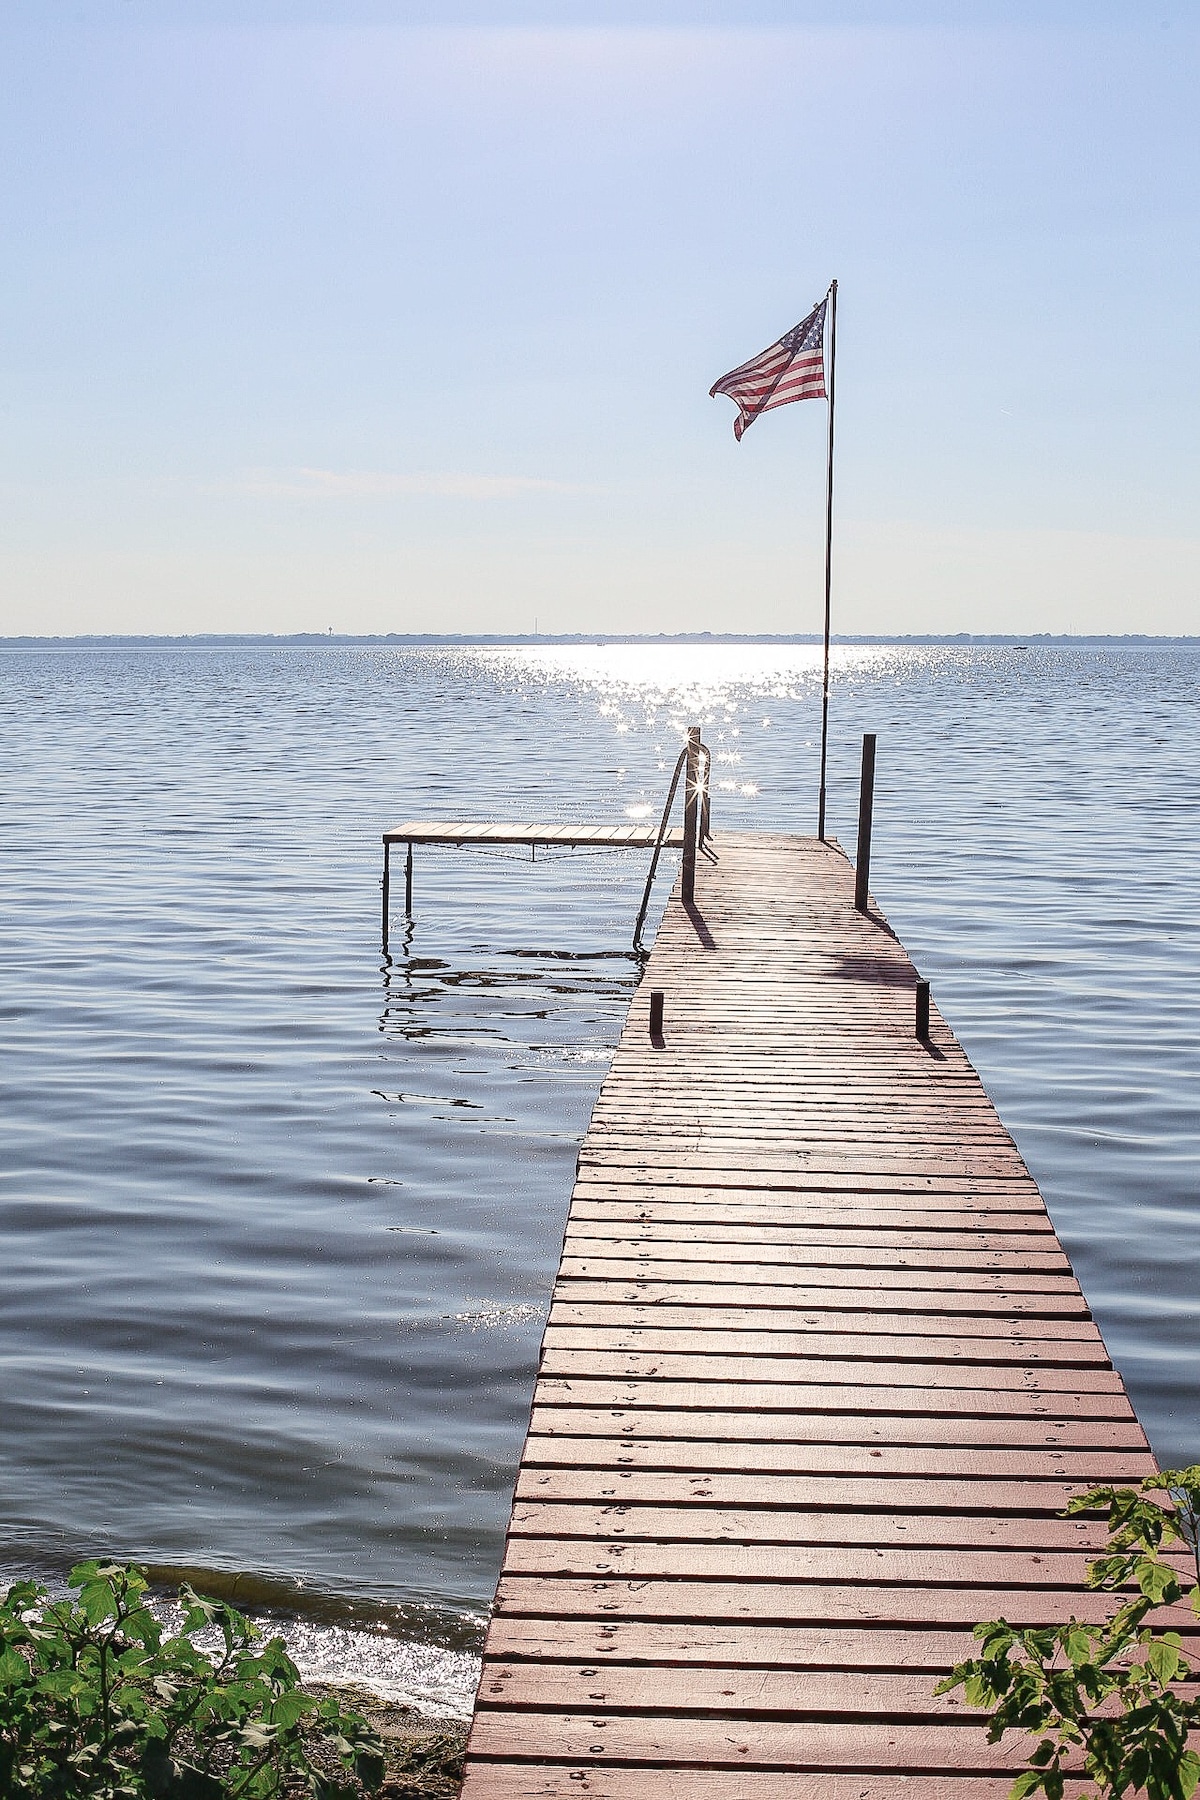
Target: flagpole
pixel 828 557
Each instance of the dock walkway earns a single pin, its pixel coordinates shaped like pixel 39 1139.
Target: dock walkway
pixel 816 1384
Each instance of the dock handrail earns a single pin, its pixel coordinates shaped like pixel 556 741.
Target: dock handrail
pixel 705 814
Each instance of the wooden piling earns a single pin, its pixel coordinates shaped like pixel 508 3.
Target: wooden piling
pixel 866 804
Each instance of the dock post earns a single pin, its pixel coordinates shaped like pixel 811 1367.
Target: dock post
pixel 387 889
pixel 923 1011
pixel 656 1014
pixel 866 801
pixel 691 809
pixel 408 882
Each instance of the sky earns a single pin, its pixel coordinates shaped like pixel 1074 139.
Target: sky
pixel 386 317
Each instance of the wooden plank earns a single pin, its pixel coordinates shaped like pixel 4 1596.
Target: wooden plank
pixel 695 1742
pixel 829 1193
pixel 809 1326
pixel 862 1428
pixel 887 1188
pixel 876 1378
pixel 713 1225
pixel 801 1602
pixel 728 1691
pixel 686 1289
pixel 498 1780
pixel 674 1645
pixel 678 1244
pixel 601 1450
pixel 709 1523
pixel 846 1399
pixel 666 1263
pixel 956 1496
pixel 1056 1356
pixel 851 1564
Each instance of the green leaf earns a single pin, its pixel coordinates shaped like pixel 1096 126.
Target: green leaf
pixel 62 1684
pixel 1158 1581
pixel 1164 1659
pixel 291 1707
pixel 14 1670
pixel 98 1602
pixel 1189 1774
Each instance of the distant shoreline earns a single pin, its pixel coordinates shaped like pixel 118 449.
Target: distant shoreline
pixel 310 640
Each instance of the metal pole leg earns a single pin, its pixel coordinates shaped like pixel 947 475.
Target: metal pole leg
pixel 691 816
pixel 866 802
pixel 408 882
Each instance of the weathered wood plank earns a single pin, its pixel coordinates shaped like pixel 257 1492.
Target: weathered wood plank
pixel 703 1522
pixel 695 1742
pixel 726 1602
pixel 678 1244
pixel 807 1326
pixel 717 1560
pixel 727 1691
pixel 861 1427
pixel 744 1365
pixel 957 1497
pixel 777 1226
pixel 1053 1357
pixel 497 1780
pixel 702 1396
pixel 604 1450
pixel 686 1289
pixel 664 1263
pixel 685 1645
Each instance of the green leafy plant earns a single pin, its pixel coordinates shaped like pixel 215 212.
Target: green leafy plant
pixel 1107 1701
pixel 98 1702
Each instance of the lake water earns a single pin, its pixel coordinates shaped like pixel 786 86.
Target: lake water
pixel 279 1217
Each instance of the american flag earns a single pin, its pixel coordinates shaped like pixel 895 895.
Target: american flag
pixel 792 369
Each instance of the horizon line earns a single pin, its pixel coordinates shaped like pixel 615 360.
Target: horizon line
pixel 311 639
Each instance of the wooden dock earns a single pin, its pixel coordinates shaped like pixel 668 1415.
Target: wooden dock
pixel 460 833
pixel 816 1384
pixel 471 834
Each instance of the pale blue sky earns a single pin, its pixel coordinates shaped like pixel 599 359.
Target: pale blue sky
pixel 407 321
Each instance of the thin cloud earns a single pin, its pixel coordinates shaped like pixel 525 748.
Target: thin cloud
pixel 374 484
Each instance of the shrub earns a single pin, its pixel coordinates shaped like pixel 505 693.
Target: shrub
pixel 1107 1700
pixel 97 1702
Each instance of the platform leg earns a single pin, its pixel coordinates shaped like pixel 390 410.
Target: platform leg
pixel 408 882
pixel 387 889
